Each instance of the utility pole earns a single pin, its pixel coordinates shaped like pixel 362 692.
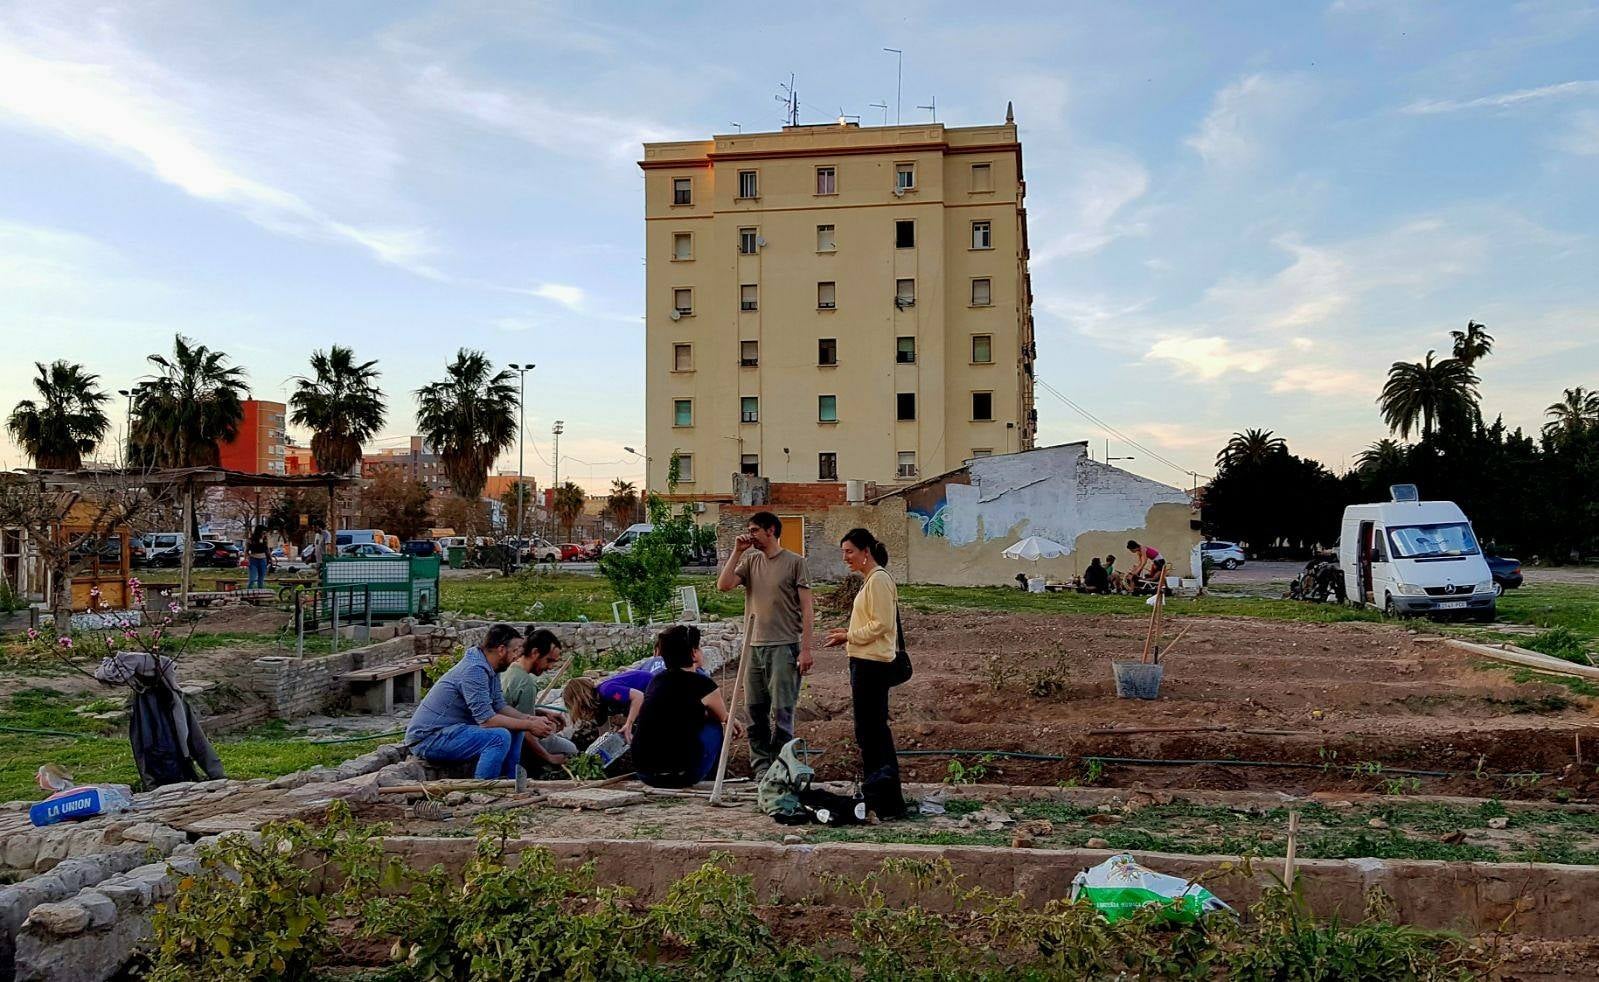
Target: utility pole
pixel 521 445
pixel 560 427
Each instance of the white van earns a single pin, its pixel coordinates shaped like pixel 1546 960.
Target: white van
pixel 1415 557
pixel 624 542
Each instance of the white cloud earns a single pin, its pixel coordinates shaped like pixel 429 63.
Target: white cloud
pixel 567 296
pixel 1096 185
pixel 1207 358
pixel 1321 380
pixel 1245 117
pixel 1504 100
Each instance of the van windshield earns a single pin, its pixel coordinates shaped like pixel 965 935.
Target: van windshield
pixel 1433 541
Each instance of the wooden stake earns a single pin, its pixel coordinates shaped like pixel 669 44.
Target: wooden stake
pixel 1154 619
pixel 1293 847
pixel 732 707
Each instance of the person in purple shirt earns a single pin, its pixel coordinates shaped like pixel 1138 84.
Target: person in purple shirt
pixel 591 701
pixel 465 715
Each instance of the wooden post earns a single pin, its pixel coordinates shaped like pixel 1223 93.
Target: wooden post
pixel 188 540
pixel 1293 847
pixel 732 707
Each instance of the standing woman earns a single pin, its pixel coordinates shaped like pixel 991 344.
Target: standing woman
pixel 871 640
pixel 258 555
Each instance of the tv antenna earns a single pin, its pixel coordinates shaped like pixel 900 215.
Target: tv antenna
pixel 844 117
pixel 932 108
pixel 899 84
pixel 790 101
pixel 884 107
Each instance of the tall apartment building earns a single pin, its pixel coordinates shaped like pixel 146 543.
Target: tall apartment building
pixel 836 302
pixel 416 461
pixel 261 443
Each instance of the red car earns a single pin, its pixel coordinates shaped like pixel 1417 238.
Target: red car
pixel 573 552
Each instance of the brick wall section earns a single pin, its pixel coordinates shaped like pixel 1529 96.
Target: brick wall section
pixel 818 495
pixel 293 687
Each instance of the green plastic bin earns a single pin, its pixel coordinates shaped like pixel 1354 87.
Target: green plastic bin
pixel 457 557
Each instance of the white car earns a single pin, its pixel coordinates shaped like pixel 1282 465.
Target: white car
pixel 1227 555
pixel 624 542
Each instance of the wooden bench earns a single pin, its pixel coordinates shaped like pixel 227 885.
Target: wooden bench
pixel 376 690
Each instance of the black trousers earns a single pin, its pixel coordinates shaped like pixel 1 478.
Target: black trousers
pixel 868 686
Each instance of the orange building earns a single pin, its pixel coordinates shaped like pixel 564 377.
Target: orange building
pixel 298 460
pixel 261 444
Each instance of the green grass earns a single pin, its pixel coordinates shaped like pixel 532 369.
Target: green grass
pixel 1010 599
pixel 538 596
pixel 1550 605
pixel 100 752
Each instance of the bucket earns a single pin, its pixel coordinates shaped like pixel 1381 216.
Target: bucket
pixel 1137 680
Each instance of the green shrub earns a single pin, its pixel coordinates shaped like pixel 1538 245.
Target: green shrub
pixel 1562 643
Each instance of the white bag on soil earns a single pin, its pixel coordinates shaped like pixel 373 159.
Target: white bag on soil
pixel 1119 886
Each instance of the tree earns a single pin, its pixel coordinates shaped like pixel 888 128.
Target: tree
pixel 623 503
pixel 296 512
pixel 67 421
pixel 509 501
pixel 396 504
pixel 1574 413
pixel 1251 447
pixel 341 405
pixel 194 404
pixel 464 515
pixel 469 418
pixel 567 503
pixel 1473 344
pixel 1441 395
pixel 1385 455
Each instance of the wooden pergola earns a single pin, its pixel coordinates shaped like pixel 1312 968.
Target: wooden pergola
pixel 188 480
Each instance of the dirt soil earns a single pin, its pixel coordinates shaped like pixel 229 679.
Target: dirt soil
pixel 1343 695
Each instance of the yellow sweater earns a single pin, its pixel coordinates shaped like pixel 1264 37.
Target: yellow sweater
pixel 872 634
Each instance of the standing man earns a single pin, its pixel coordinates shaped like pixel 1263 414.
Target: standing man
pixel 465 715
pixel 777 596
pixel 540 654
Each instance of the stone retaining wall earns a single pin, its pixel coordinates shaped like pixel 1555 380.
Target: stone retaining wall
pixel 291 687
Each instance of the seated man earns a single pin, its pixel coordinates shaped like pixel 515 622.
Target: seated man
pixel 1095 578
pixel 540 654
pixel 1118 581
pixel 679 734
pixel 465 715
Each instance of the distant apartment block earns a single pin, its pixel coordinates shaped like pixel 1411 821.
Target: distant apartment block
pixel 416 462
pixel 261 444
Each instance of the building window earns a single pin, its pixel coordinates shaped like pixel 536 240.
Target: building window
pixel 749 353
pixel 827 409
pixel 982 292
pixel 746 296
pixel 905 351
pixel 826 180
pixel 682 190
pixel 905 406
pixel 826 295
pixel 982 406
pixel 685 468
pixel 982 235
pixel 904 177
pixel 824 238
pixel 750 464
pixel 982 177
pixel 683 412
pixel 907 463
pixel 683 300
pixel 747 186
pixel 747 241
pixel 749 409
pixel 904 234
pixel 682 357
pixel 827 351
pixel 982 452
pixel 682 246
pixel 904 293
pixel 982 349
pixel 827 467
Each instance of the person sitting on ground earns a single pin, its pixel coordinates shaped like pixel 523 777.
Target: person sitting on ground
pixel 540 655
pixel 595 701
pixel 1145 558
pixel 678 737
pixel 1095 579
pixel 465 715
pixel 1117 581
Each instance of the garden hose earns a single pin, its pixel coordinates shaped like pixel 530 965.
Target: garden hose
pixel 58 733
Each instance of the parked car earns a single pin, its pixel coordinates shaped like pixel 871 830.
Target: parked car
pixel 281 562
pixel 216 555
pixel 1227 555
pixel 541 551
pixel 158 549
pixel 1506 573
pixel 421 548
pixel 367 549
pixel 624 542
pixel 573 552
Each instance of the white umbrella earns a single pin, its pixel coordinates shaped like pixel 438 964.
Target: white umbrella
pixel 1035 547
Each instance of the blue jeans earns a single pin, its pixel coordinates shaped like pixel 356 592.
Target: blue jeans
pixel 496 751
pixel 710 740
pixel 258 571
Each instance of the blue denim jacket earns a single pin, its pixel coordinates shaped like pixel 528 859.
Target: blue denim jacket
pixel 468 693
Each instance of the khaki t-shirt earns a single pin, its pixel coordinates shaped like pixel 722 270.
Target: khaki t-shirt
pixel 772 587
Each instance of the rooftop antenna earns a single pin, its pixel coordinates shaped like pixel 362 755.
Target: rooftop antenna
pixel 737 126
pixel 884 107
pixel 790 101
pixel 844 117
pixel 932 108
pixel 899 83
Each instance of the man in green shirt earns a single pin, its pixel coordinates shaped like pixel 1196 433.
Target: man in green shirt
pixel 541 654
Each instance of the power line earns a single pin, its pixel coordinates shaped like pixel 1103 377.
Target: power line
pixel 1186 471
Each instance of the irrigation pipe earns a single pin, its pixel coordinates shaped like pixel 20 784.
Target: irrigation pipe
pixel 59 733
pixel 1158 762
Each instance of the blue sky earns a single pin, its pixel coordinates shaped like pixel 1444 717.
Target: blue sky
pixel 1240 213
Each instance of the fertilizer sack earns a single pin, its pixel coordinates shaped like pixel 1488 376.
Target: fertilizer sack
pixel 1119 886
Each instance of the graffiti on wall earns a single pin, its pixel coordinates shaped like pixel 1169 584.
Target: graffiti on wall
pixel 929 504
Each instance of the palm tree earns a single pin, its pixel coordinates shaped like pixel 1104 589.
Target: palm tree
pixel 469 418
pixel 194 405
pixel 67 421
pixel 1385 455
pixel 623 502
pixel 1473 344
pixel 341 405
pixel 567 503
pixel 1577 411
pixel 1251 447
pixel 1432 393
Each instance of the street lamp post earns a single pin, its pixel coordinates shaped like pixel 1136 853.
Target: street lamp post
pixel 521 446
pixel 127 422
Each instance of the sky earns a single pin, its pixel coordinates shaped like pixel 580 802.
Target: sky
pixel 1240 213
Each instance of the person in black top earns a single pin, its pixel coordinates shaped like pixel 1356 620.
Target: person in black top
pixel 678 736
pixel 1095 578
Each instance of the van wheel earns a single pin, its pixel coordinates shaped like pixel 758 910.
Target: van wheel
pixel 1388 608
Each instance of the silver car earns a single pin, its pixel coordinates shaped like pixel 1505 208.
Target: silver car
pixel 1227 555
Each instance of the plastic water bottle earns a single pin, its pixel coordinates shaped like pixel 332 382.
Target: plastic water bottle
pixel 608 747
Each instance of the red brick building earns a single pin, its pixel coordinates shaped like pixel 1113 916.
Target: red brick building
pixel 261 444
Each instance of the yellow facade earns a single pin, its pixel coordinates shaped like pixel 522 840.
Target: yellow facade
pixel 770 255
